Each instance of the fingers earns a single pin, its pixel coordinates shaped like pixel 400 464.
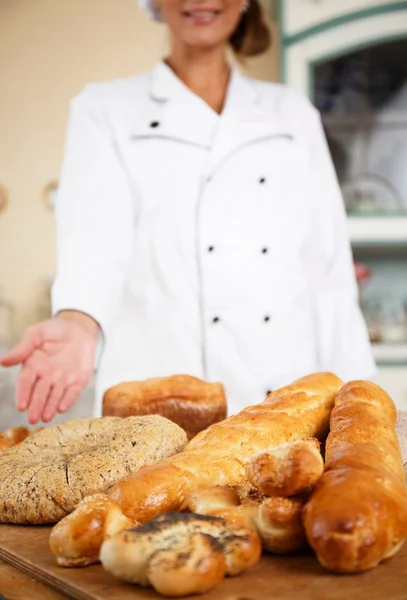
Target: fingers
pixel 24 388
pixel 57 392
pixel 39 396
pixel 22 350
pixel 69 398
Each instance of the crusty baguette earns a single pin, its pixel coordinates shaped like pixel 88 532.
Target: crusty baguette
pixel 217 456
pixel 190 402
pixel 357 514
pixel 44 477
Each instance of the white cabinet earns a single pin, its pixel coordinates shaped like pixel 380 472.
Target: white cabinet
pixel 387 231
pixel 314 30
pixel 300 16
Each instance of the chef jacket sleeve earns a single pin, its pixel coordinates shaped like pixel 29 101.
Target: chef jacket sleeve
pixel 343 343
pixel 94 216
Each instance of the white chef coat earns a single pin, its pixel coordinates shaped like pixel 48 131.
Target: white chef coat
pixel 208 245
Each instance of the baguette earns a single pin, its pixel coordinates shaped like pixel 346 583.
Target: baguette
pixel 357 514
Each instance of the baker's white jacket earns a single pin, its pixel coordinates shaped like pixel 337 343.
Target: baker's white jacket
pixel 208 245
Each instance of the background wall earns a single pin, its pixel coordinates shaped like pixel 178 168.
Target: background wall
pixel 49 49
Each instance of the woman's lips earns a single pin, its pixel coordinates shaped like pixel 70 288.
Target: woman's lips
pixel 202 17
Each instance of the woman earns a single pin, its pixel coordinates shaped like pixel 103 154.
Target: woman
pixel 201 230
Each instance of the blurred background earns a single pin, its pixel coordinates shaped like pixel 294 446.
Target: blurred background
pixel 348 56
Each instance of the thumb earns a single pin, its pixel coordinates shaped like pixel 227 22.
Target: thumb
pixel 23 349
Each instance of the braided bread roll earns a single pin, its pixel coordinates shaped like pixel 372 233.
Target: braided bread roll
pixel 357 515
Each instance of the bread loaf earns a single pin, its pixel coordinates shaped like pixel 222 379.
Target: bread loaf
pixel 43 478
pixel 357 515
pixel 188 401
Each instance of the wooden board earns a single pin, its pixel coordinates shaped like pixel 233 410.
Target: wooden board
pixel 282 578
pixel 15 585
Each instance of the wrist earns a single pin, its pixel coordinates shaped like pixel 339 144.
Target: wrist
pixel 82 319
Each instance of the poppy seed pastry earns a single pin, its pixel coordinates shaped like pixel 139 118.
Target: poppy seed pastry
pixel 43 478
pixel 190 402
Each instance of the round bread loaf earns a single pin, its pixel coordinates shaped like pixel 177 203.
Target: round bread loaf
pixel 43 478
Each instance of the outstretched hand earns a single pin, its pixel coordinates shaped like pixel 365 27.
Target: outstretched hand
pixel 57 358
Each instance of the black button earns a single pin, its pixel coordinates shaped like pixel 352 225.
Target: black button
pixel 215 320
pixel 154 124
pixel 267 318
pixel 269 392
pixel 265 250
pixel 262 180
pixel 211 249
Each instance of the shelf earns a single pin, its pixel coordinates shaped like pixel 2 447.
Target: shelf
pixel 390 231
pixel 365 121
pixel 390 353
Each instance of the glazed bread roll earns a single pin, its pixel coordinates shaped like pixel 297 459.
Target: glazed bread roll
pixel 97 520
pixel 287 470
pixel 181 553
pixel 43 478
pixel 188 401
pixel 357 515
pixel 218 455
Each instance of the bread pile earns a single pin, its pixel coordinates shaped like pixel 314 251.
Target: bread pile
pixel 254 482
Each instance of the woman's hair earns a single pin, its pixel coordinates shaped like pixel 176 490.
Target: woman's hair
pixel 252 36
